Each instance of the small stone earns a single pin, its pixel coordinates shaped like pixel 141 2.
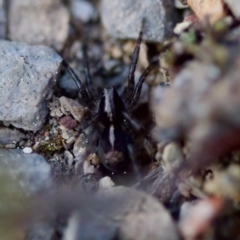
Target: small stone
pixel 106 182
pixel 66 133
pixel 68 157
pixel 79 148
pixel 172 157
pixel 83 10
pixel 68 122
pixel 180 27
pixel 123 19
pixel 54 107
pixel 93 159
pixel 27 150
pixel 88 168
pixel 10 146
pixel 116 52
pixel 70 106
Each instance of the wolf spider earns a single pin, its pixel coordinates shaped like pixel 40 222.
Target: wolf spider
pixel 110 115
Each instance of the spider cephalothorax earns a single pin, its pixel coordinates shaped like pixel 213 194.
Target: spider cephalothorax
pixel 110 115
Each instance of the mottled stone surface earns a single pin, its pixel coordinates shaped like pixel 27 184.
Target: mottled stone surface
pixel 123 19
pixel 39 22
pixel 27 74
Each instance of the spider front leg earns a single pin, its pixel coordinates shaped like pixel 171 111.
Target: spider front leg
pixel 85 97
pixel 129 90
pixel 137 91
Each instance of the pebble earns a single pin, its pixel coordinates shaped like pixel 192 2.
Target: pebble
pixel 123 19
pixel 39 22
pixel 27 150
pixel 73 107
pixel 68 122
pixel 172 157
pixel 83 10
pixel 10 146
pixel 106 182
pixel 88 168
pixel 27 74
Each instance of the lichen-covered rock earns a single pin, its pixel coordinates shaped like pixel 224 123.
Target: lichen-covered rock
pixel 39 22
pixel 27 74
pixel 123 19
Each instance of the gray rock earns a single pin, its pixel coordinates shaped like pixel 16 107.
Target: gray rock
pixel 8 136
pixel 30 172
pixel 123 19
pixel 39 22
pixel 27 74
pixel 234 7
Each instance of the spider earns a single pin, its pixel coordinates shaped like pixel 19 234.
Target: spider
pixel 110 114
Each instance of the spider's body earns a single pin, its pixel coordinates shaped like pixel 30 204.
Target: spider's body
pixel 110 116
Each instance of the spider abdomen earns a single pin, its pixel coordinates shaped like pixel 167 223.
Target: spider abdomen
pixel 113 149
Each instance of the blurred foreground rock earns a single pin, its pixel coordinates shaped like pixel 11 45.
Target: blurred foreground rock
pixel 123 19
pixel 212 9
pixel 39 22
pixel 234 7
pixel 203 105
pixel 29 172
pixel 124 213
pixel 27 74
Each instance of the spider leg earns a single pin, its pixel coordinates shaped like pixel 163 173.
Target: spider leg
pixel 136 126
pixel 86 124
pixel 128 91
pixel 132 156
pixel 138 88
pixel 86 69
pixel 83 92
